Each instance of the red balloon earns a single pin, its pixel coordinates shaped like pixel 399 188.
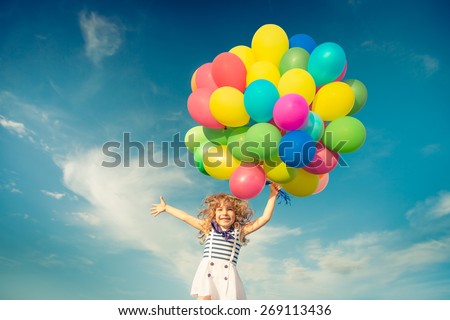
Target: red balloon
pixel 324 160
pixel 247 181
pixel 198 107
pixel 228 70
pixel 342 73
pixel 203 77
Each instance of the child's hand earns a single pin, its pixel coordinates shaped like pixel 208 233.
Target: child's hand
pixel 274 188
pixel 157 208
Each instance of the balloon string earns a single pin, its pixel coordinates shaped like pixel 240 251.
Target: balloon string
pixel 282 195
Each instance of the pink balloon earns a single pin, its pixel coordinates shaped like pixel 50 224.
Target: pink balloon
pixel 290 112
pixel 198 107
pixel 323 181
pixel 204 78
pixel 229 70
pixel 324 161
pixel 247 181
pixel 342 73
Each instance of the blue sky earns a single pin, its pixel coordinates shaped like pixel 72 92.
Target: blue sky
pixel 77 74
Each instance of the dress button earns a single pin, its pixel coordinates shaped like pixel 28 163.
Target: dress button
pixel 226 278
pixel 209 275
pixel 226 266
pixel 212 263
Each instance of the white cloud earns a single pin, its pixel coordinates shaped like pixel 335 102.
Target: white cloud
pixel 120 201
pixel 389 47
pixel 349 269
pixel 7 262
pixel 426 63
pixel 54 195
pixel 430 149
pixel 423 64
pixel 421 254
pixel 33 119
pixel 442 206
pixel 432 214
pixel 14 127
pixel 51 260
pixel 17 128
pixel 102 36
pixel 11 186
pixel 87 218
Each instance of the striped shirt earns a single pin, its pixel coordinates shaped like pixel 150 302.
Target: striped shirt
pixel 221 248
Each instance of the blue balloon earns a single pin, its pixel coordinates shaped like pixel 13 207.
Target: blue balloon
pixel 297 149
pixel 259 100
pixel 314 126
pixel 326 63
pixel 303 41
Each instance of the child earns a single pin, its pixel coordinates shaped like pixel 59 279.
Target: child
pixel 223 226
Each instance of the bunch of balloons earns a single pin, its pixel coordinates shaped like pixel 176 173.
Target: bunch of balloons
pixel 279 110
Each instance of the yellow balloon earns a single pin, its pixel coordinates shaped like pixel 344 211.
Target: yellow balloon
pixel 278 171
pixel 227 106
pixel 297 81
pixel 218 162
pixel 263 70
pixel 245 54
pixel 193 83
pixel 270 42
pixel 333 100
pixel 304 184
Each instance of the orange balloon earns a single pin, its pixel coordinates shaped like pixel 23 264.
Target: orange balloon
pixel 193 83
pixel 323 181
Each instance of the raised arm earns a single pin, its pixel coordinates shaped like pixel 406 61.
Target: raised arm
pixel 157 208
pixel 267 214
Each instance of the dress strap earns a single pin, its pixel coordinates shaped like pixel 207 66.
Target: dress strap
pixel 211 239
pixel 236 236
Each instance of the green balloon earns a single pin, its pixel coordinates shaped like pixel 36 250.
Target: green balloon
pixel 194 137
pixel 344 135
pixel 198 157
pixel 235 143
pixel 218 136
pixel 294 58
pixel 360 91
pixel 200 134
pixel 261 142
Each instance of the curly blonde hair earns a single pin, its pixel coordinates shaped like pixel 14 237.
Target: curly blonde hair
pixel 208 213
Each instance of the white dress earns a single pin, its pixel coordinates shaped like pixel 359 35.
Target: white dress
pixel 217 275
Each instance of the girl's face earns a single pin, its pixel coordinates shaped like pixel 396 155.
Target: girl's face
pixel 225 215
